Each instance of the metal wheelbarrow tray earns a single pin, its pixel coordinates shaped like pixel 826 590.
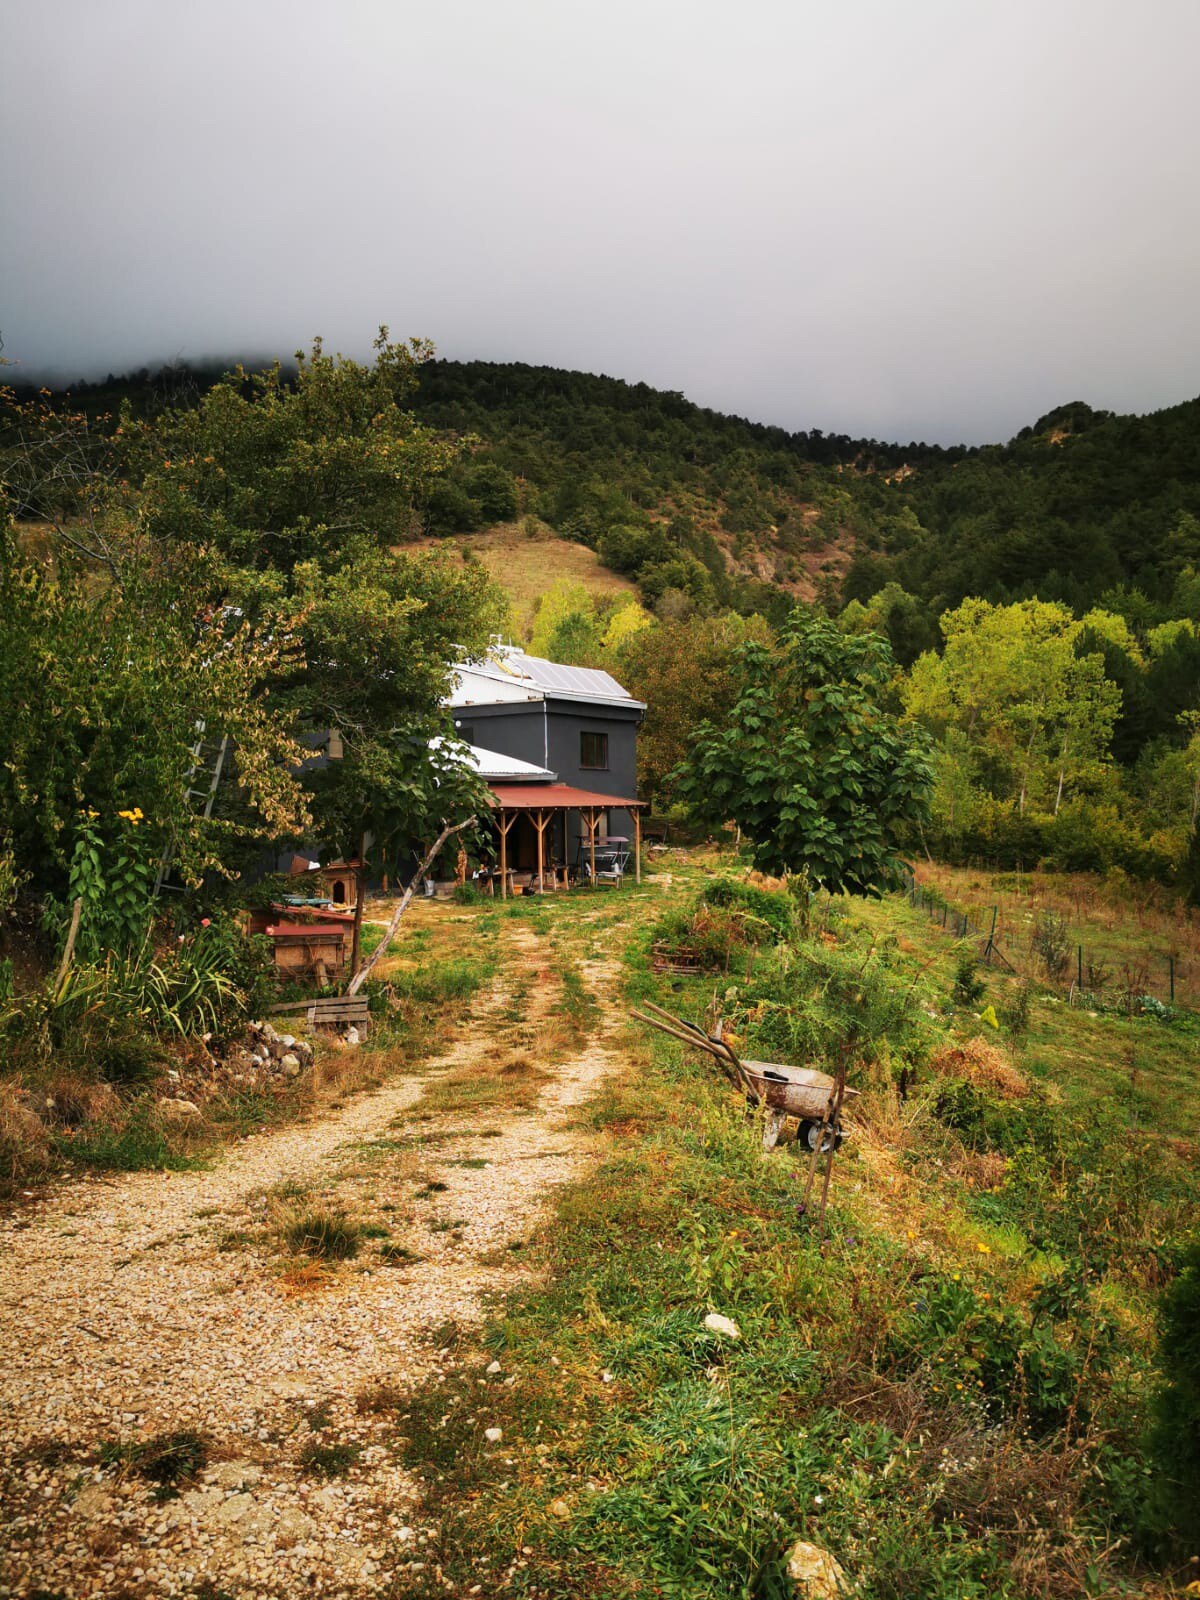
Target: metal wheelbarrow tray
pixel 798 1091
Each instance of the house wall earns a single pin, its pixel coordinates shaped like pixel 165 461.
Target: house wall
pixel 547 733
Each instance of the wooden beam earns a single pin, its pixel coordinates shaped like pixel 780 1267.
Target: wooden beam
pixel 592 842
pixel 637 846
pixel 506 822
pixel 360 875
pixel 540 819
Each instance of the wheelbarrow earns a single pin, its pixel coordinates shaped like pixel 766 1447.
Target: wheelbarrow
pixel 812 1097
pixel 804 1093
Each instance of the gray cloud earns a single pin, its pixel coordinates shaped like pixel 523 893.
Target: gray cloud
pixel 933 219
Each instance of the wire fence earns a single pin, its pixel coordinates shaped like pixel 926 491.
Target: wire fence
pixel 1046 953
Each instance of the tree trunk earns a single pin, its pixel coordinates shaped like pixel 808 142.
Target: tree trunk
pixel 368 966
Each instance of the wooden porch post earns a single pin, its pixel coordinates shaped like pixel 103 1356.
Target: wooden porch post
pixel 539 821
pixel 505 825
pixel 592 842
pixel 637 846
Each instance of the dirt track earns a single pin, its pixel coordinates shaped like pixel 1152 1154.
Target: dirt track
pixel 165 1301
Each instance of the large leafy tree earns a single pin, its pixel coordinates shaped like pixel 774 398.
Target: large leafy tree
pixel 1035 716
pixel 683 671
pixel 819 775
pixel 302 486
pixel 104 686
pixel 232 565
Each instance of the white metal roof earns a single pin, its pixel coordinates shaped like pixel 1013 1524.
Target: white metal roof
pixel 491 764
pixel 508 674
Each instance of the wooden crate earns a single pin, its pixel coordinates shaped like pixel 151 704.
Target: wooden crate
pixel 339 1012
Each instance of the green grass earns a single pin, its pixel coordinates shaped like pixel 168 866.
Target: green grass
pixel 168 1460
pixel 328 1460
pixel 132 1144
pixel 325 1235
pixel 948 1393
pixel 1143 1064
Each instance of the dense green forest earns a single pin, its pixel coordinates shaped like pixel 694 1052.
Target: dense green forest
pixel 1041 598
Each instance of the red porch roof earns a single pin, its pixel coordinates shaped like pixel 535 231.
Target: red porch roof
pixel 557 797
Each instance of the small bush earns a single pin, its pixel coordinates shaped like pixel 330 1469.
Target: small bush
pixel 326 1235
pixel 1051 943
pixel 467 894
pixel 1014 1013
pixel 969 988
pixel 766 913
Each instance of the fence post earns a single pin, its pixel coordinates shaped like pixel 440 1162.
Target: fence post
pixel 1079 966
pixel 1171 965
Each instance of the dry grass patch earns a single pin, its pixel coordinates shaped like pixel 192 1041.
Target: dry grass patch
pixel 983 1063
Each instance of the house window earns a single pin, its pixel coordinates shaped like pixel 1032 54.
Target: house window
pixel 465 732
pixel 593 751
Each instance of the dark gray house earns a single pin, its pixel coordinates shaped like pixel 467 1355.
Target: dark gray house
pixel 534 722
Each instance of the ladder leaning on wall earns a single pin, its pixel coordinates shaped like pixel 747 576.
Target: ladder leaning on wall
pixel 203 780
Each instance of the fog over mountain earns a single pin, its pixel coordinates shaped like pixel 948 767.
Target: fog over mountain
pixel 934 220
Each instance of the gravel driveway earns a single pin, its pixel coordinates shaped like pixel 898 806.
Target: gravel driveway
pixel 160 1302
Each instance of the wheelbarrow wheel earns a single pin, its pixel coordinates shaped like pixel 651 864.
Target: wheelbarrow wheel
pixel 809 1132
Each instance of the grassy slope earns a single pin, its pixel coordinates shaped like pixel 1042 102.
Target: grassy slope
pixel 1097 1056
pixel 896 1395
pixel 527 561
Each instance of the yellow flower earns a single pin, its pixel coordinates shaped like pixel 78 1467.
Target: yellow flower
pixel 983 1249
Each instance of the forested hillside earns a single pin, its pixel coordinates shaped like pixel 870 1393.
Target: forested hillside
pixel 1081 504
pixel 1041 598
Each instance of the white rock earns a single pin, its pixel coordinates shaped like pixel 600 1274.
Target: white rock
pixel 352 1035
pixel 716 1323
pixel 290 1065
pixel 493 1435
pixel 178 1110
pixel 233 1474
pixel 814 1573
pixel 494 1366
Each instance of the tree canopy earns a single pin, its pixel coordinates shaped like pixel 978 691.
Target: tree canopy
pixel 809 763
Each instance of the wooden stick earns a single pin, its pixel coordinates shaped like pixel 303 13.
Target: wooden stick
pixel 69 952
pixel 364 972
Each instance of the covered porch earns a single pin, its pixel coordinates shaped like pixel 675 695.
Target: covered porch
pixel 534 836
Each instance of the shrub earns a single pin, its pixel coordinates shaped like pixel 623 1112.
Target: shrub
pixel 762 909
pixel 1175 1439
pixel 1014 1013
pixel 328 1460
pixel 167 1460
pixel 468 894
pixel 986 1122
pixel 1052 944
pixel 968 986
pixel 712 934
pixel 1015 1365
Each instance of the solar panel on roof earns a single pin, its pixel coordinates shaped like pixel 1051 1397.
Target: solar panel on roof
pixel 573 680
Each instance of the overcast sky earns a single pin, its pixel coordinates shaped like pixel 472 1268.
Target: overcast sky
pixel 900 218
